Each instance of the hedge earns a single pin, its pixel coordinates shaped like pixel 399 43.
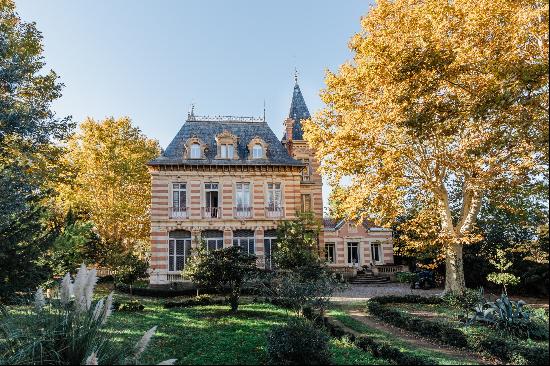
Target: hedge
pixel 508 350
pixel 377 348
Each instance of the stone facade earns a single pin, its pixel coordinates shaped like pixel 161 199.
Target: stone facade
pixel 227 181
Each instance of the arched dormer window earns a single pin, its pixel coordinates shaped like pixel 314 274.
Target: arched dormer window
pixel 257 151
pixel 257 148
pixel 194 149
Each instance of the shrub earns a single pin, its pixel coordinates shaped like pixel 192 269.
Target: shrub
pixel 297 343
pixel 507 349
pixel 225 270
pixel 130 306
pixel 68 330
pixel 389 352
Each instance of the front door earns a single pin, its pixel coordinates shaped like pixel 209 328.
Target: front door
pixel 353 253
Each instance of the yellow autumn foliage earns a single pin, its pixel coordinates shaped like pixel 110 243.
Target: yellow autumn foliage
pixel 108 181
pixel 439 93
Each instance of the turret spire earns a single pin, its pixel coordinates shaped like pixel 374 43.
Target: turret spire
pixel 298 110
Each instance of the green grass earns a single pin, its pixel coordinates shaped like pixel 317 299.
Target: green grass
pixel 382 336
pixel 212 335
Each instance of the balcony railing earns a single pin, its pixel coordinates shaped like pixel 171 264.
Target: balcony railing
pixel 306 178
pixel 274 212
pixel 211 212
pixel 242 212
pixel 179 212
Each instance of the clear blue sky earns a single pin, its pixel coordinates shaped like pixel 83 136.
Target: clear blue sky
pixel 150 60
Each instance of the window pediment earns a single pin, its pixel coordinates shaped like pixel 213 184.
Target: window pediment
pixel 227 146
pixel 257 149
pixel 194 148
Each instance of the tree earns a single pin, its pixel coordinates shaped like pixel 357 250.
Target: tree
pixel 297 242
pixel 439 94
pixel 502 277
pixel 29 156
pixel 110 183
pixel 224 270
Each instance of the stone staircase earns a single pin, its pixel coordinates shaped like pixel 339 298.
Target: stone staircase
pixel 366 277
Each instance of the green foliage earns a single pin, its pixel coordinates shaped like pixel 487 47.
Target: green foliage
pixel 464 301
pixel 67 330
pixel 504 347
pixel 297 242
pixel 72 248
pixel 23 242
pixel 224 270
pixel 406 277
pixel 131 306
pixel 298 343
pixel 300 291
pixel 502 264
pixel 128 267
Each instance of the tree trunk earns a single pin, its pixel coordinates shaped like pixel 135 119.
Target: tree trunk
pixel 454 269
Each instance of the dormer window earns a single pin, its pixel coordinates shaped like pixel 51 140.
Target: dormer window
pixel 226 151
pixel 227 146
pixel 257 148
pixel 194 148
pixel 257 151
pixel 195 151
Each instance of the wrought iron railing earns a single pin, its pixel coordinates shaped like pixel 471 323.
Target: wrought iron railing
pixel 211 212
pixel 242 212
pixel 179 212
pixel 274 212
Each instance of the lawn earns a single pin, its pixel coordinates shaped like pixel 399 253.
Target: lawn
pixel 212 335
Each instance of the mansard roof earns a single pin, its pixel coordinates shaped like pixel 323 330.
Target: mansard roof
pixel 298 112
pixel 207 128
pixel 330 223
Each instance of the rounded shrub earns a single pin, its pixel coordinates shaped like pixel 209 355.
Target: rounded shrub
pixel 297 343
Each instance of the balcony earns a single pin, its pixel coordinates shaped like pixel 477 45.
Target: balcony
pixel 211 212
pixel 274 212
pixel 242 212
pixel 179 212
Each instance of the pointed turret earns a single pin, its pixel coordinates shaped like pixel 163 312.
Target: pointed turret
pixel 298 112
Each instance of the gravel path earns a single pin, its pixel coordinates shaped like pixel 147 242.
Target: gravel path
pixel 365 292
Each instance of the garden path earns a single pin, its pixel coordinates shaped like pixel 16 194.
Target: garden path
pixel 413 339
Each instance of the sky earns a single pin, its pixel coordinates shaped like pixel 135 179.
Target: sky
pixel 150 60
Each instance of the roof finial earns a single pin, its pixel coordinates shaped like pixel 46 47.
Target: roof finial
pixel 296 75
pixel 264 110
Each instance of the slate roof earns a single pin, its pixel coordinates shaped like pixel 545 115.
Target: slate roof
pixel 298 112
pixel 207 130
pixel 330 223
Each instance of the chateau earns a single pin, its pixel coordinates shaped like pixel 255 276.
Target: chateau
pixel 227 181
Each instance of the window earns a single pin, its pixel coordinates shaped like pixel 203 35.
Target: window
pixel 211 208
pixel 226 151
pixel 353 253
pixel 245 240
pixel 306 172
pixel 179 200
pixel 195 151
pixel 330 252
pixel 213 239
pixel 257 151
pixel 306 202
pixel 179 250
pixel 270 243
pixel 352 228
pixel 376 252
pixel 242 196
pixel 274 199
